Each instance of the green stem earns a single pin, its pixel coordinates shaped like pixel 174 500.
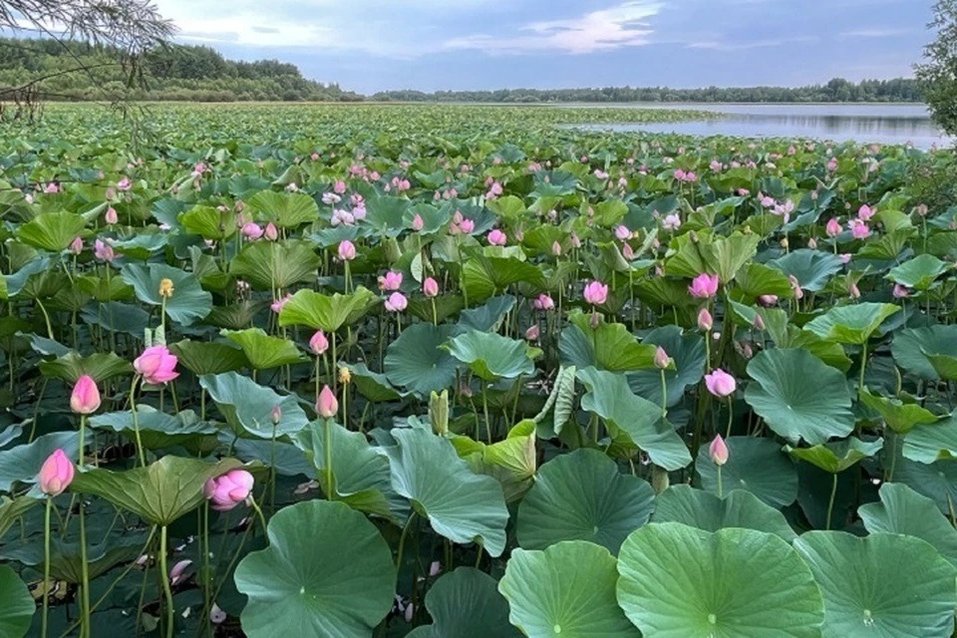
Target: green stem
pixel 206 567
pixel 136 421
pixel 164 576
pixel 830 503
pixel 720 485
pixel 46 566
pixel 259 513
pixel 84 575
pixel 863 365
pixel 327 444
pixel 405 533
pixel 727 434
pixel 664 395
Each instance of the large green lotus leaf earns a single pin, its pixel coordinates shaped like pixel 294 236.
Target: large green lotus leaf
pixel 189 301
pixel 723 256
pixel 102 366
pixel 881 585
pixel 326 312
pixel 460 505
pixel 160 492
pixel 287 210
pixel 20 464
pixel 583 496
pixel 755 465
pixel 944 365
pixel 272 265
pixel 16 604
pixel 492 356
pixel 327 572
pixel 933 442
pixel 466 604
pixel 52 231
pixel 416 360
pixel 385 214
pixel 610 346
pixel 157 429
pixel 799 396
pixel 697 508
pixel 899 416
pixel 11 510
pixel 249 406
pixel 681 582
pixel 374 386
pixel 687 350
pixel 567 590
pixel 904 511
pixel 483 276
pixel 918 273
pixel 66 559
pixel 512 462
pixel 360 472
pixel 851 324
pixel 200 357
pixel 836 456
pixel 759 279
pixel 610 398
pixel 937 481
pixel 812 268
pixel 911 344
pixel 487 317
pixel 209 222
pixel 265 351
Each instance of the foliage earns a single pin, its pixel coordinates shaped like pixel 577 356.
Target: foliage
pixel 938 74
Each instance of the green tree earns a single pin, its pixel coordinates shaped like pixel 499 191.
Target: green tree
pixel 938 74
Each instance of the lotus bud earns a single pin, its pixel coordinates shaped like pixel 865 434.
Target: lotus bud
pixel 533 332
pixel 659 479
pixel 662 360
pixel 418 223
pixel 271 233
pixel 276 414
pixel 439 412
pixel 110 216
pixel 85 398
pixel 430 287
pixel 326 405
pixel 556 249
pixel 705 322
pixel 76 246
pixel 718 450
pixel 347 250
pixel 229 490
pixel 56 473
pixel 318 343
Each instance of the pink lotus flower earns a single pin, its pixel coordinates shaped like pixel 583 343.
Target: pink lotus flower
pixel 467 226
pixel 56 473
pixel 110 217
pixel 720 383
pixel 326 404
pixel 278 304
pixel 229 490
pixel 556 249
pixel 271 233
pixel 671 221
pixel 596 293
pixel 103 251
pixel 718 450
pixel 705 321
pixel 622 233
pixel 339 187
pixel 662 360
pixel 533 332
pixel 865 212
pixel 832 164
pixel 859 229
pixel 157 365
pixel 543 302
pixel 347 250
pixel 124 184
pixel 418 223
pixel 768 300
pixel 252 230
pixel 396 302
pixel 85 398
pixel 318 343
pixel 330 199
pixel 76 246
pixel 430 287
pixel 390 281
pixel 497 238
pixel 51 188
pixel 900 292
pixel 178 572
pixel 704 286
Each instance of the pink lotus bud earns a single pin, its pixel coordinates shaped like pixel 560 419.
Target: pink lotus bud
pixel 339 187
pixel 347 250
pixel 812 243
pixel 326 405
pixel 76 246
pixel 56 473
pixel 796 287
pixel 430 287
pixel 596 293
pixel 758 322
pixel 704 286
pixel 252 230
pixel 124 184
pixel 853 290
pixel 622 232
pixel 556 249
pixel 276 414
pixel 533 332
pixel 497 238
pixel 720 383
pixel 467 226
pixel 833 227
pixel 768 300
pixel 865 212
pixel 229 490
pixel 705 321
pixel 103 251
pixel 718 450
pixel 157 365
pixel 85 398
pixel 111 217
pixel 543 302
pixel 576 241
pixel 900 292
pixel 271 233
pixel 178 572
pixel 418 223
pixel 662 360
pixel 318 343
pixel 390 281
pixel 396 302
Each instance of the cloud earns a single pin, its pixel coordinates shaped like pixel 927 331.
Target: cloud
pixel 718 45
pixel 624 25
pixel 875 32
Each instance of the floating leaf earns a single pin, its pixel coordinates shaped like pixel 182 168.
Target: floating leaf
pixel 836 456
pixel 417 361
pixel 52 231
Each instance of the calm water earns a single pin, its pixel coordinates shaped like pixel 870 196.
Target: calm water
pixel 863 123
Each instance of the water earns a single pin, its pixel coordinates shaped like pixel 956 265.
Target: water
pixel 863 123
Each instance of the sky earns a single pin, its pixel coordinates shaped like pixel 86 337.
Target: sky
pixel 373 45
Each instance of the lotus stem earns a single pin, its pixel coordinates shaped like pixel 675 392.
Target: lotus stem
pixel 720 484
pixel 46 566
pixel 164 576
pixel 141 455
pixel 327 445
pixel 830 503
pixel 84 575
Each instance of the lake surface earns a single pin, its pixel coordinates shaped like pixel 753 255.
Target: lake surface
pixel 863 123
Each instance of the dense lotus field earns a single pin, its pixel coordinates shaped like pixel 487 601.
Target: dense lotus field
pixel 450 372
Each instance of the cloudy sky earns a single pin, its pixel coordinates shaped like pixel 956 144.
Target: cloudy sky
pixel 370 45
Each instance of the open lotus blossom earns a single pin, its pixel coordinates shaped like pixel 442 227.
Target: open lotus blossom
pixel 347 250
pixel 318 343
pixel 865 212
pixel 718 451
pixel 543 302
pixel 396 302
pixel 596 293
pixel 859 229
pixel 157 365
pixel 103 251
pixel 720 383
pixel 56 473
pixel 430 287
pixel 705 321
pixel 497 238
pixel 229 490
pixel 85 398
pixel 900 292
pixel 672 221
pixel 326 404
pixel 252 230
pixel 704 286
pixel 767 300
pixel 390 281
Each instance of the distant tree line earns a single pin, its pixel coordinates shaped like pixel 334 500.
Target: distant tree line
pixel 837 90
pixel 170 72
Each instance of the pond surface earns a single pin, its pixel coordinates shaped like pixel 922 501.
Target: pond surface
pixel 863 123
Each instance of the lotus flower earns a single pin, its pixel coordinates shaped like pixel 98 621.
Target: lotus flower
pixel 833 227
pixel 76 246
pixel 326 405
pixel 704 286
pixel 157 365
pixel 497 238
pixel 596 293
pixel 662 360
pixel 252 230
pixel 430 287
pixel 347 250
pixel 705 321
pixel 318 343
pixel 720 383
pixel 718 450
pixel 390 281
pixel 103 251
pixel 56 473
pixel 110 217
pixel 543 302
pixel 271 233
pixel 85 398
pixel 396 302
pixel 229 490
